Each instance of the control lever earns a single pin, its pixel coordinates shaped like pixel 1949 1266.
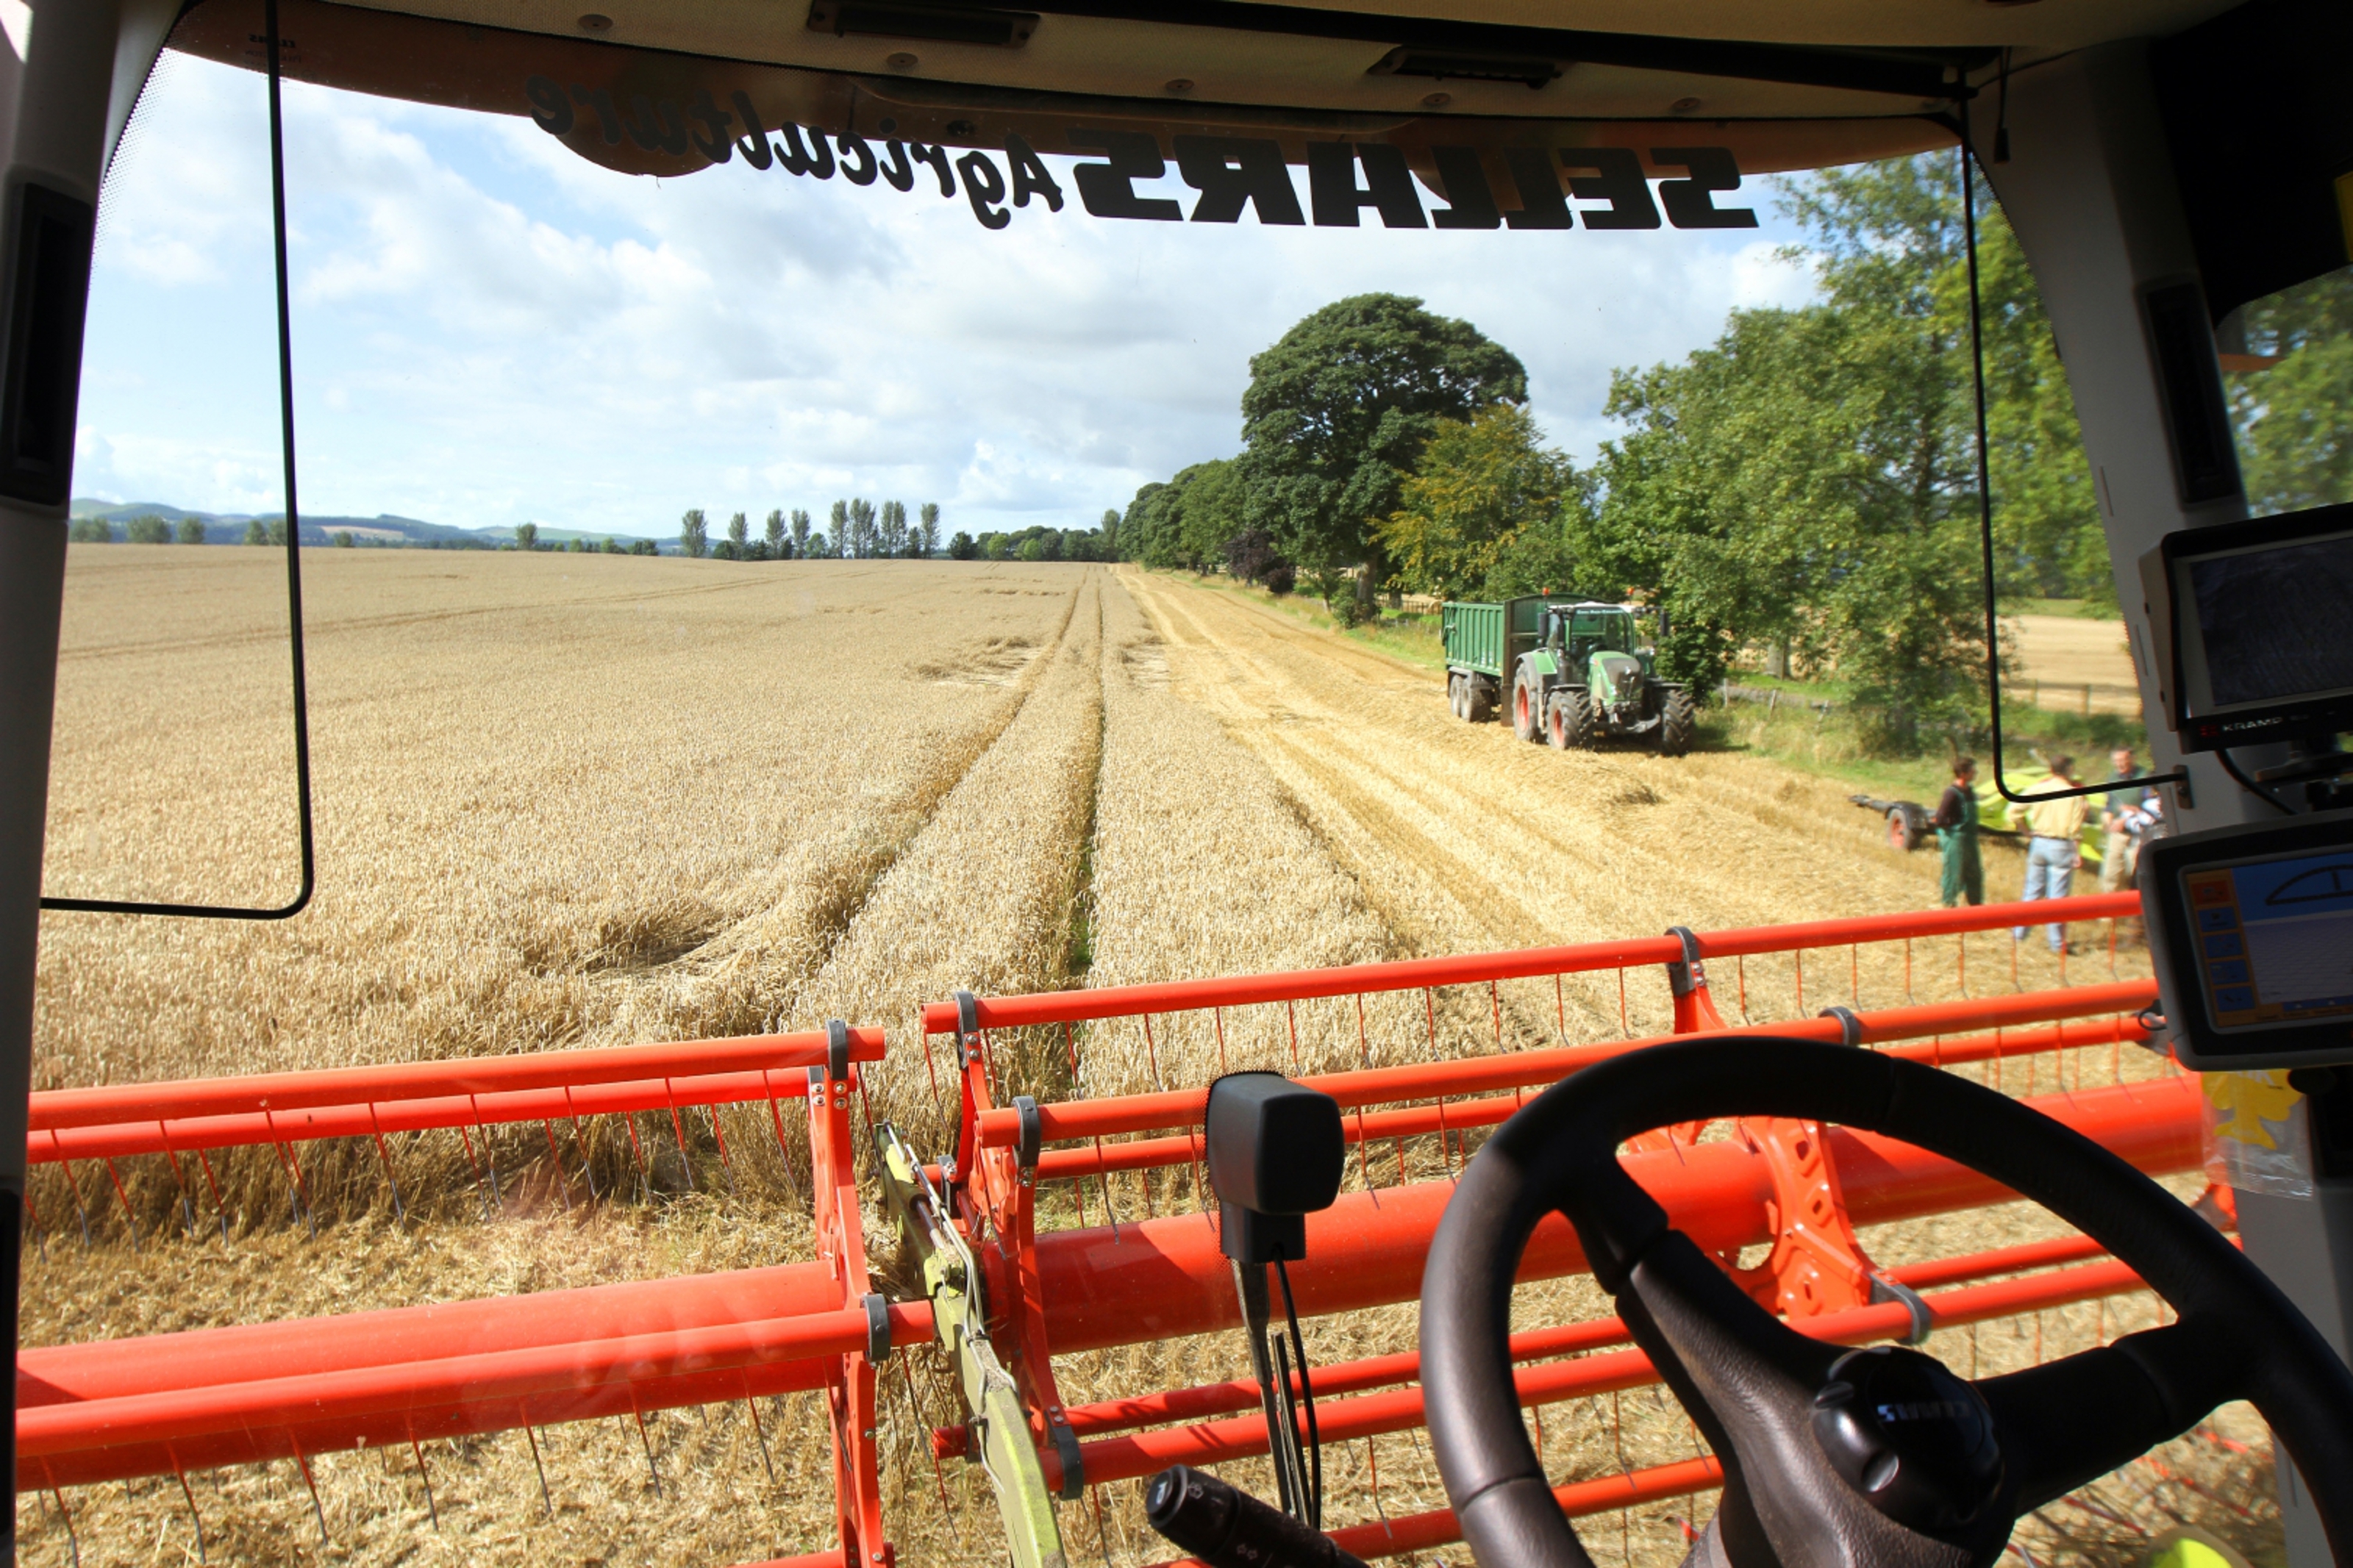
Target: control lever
pixel 1225 1527
pixel 1275 1152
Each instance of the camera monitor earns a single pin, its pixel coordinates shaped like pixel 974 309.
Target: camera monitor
pixel 2258 619
pixel 2252 928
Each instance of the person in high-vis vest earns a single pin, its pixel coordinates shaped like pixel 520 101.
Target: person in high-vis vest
pixel 1956 821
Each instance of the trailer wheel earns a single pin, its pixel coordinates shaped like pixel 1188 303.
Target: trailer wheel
pixel 1678 720
pixel 1454 703
pixel 1907 827
pixel 1568 723
pixel 1481 700
pixel 1528 709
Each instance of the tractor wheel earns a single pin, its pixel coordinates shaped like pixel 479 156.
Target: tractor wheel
pixel 1482 700
pixel 1528 709
pixel 1567 724
pixel 1677 721
pixel 1907 827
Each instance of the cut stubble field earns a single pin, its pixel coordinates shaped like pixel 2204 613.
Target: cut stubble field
pixel 579 800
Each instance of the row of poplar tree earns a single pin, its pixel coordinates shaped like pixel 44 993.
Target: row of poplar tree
pixel 860 530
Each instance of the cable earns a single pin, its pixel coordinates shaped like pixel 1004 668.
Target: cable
pixel 2250 785
pixel 294 557
pixel 1307 1398
pixel 1985 521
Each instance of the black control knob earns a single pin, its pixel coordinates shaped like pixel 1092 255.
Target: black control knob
pixel 1915 1440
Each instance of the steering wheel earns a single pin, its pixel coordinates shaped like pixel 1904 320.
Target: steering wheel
pixel 1835 1458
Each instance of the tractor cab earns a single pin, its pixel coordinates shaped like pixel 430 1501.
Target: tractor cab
pixel 1012 180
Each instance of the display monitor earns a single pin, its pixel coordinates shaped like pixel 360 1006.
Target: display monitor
pixel 2257 618
pixel 2252 927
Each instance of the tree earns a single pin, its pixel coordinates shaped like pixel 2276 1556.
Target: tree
pixel 775 535
pixel 1109 529
pixel 739 532
pixel 694 533
pixel 2296 446
pixel 963 547
pixel 892 537
pixel 192 530
pixel 1338 409
pixel 1479 484
pixel 931 530
pixel 90 530
pixel 612 546
pixel 526 536
pixel 840 522
pixel 801 535
pixel 148 529
pixel 257 531
pixel 342 539
pixel 864 538
pixel 644 547
pixel 819 547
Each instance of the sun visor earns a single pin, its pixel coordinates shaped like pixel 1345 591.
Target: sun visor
pixel 665 113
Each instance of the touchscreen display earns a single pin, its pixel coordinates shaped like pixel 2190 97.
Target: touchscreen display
pixel 2274 938
pixel 2273 620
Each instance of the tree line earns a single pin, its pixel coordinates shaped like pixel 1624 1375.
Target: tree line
pixel 1804 486
pixel 857 529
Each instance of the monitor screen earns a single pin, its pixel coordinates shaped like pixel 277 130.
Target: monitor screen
pixel 2274 937
pixel 2272 620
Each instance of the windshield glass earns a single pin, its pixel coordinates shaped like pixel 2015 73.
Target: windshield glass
pixel 783 545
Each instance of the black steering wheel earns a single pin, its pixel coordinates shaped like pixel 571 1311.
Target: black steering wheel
pixel 1835 1457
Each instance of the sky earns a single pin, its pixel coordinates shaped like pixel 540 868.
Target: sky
pixel 490 330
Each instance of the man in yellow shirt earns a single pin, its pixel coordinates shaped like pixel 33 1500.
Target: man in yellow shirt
pixel 2054 845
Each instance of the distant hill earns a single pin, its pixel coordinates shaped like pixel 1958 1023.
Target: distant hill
pixel 387 531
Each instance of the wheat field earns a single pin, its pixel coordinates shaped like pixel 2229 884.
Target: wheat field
pixel 580 800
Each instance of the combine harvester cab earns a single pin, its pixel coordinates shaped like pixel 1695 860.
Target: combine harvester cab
pixel 1575 671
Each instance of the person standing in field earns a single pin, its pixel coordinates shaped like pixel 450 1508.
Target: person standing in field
pixel 1955 823
pixel 2055 846
pixel 2119 808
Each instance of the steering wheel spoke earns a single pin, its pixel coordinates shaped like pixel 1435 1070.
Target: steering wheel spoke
pixel 2074 1420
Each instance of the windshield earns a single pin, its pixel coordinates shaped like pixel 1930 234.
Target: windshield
pixel 783 545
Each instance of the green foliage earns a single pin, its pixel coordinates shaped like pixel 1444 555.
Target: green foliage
pixel 694 533
pixel 527 533
pixel 644 547
pixel 612 546
pixel 739 532
pixel 2296 434
pixel 774 535
pixel 1338 409
pixel 191 531
pixel 257 531
pixel 342 539
pixel 964 547
pixel 1189 522
pixel 839 522
pixel 1810 477
pixel 92 531
pixel 802 549
pixel 148 529
pixel 1480 484
pixel 929 519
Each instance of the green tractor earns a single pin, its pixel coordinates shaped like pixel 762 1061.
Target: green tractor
pixel 1569 672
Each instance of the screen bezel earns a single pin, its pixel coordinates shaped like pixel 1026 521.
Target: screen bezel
pixel 2197 1041
pixel 2200 724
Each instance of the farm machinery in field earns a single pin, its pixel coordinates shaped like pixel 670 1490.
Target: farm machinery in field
pixel 1572 672
pixel 1053 1223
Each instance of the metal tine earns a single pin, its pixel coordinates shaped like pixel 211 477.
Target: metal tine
pixel 384 1156
pixel 677 1127
pixel 66 1514
pixel 652 1468
pixel 533 1438
pixel 83 1210
pixel 194 1518
pixel 765 1463
pixel 317 1510
pixel 431 1508
pixel 40 1231
pixel 580 1141
pixel 726 1166
pixel 187 1208
pixel 490 1155
pixel 563 1182
pixel 130 1220
pixel 220 1205
pixel 475 1160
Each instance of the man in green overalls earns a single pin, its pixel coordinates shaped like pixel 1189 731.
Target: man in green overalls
pixel 1956 821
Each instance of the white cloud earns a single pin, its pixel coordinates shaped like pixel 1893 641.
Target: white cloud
pixel 488 328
